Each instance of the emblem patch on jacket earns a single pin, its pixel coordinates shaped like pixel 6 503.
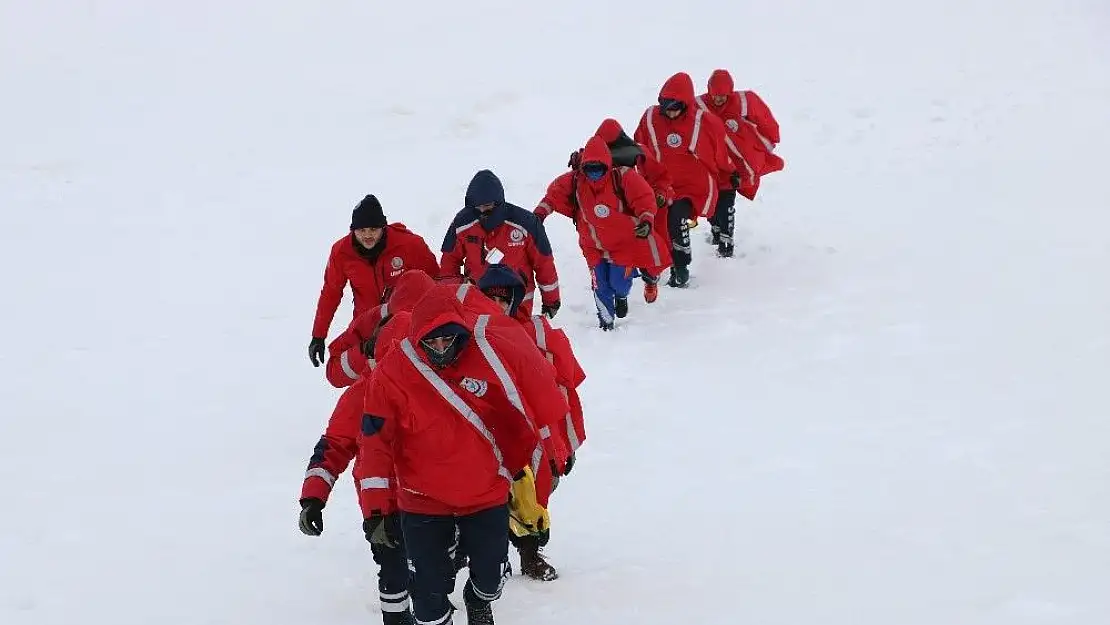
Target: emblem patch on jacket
pixel 601 211
pixel 478 387
pixel 674 139
pixel 397 262
pixel 733 125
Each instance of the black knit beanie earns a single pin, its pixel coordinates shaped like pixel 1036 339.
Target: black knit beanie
pixel 368 214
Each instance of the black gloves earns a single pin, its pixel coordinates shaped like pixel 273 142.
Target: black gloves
pixel 316 351
pixel 734 180
pixel 569 464
pixel 643 230
pixel 312 516
pixel 367 346
pixel 660 201
pixel 384 530
pixel 549 310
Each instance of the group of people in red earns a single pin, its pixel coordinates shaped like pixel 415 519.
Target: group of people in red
pixel 460 410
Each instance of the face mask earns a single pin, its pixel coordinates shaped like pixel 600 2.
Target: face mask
pixel 594 172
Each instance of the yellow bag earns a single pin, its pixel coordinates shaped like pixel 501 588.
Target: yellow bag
pixel 526 515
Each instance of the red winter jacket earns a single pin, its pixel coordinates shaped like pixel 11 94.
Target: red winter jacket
pixel 749 122
pixel 691 146
pixel 373 473
pixel 458 434
pixel 510 230
pixel 605 223
pixel 346 361
pixel 370 274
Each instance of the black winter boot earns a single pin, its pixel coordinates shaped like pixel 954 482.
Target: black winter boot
pixel 532 562
pixel 680 277
pixel 478 612
pixel 620 307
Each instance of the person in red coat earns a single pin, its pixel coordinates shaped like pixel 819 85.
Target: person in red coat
pixel 374 483
pixel 504 287
pixel 490 230
pixel 691 145
pixel 349 354
pixel 459 403
pixel 615 214
pixel 627 154
pixel 752 136
pixel 371 258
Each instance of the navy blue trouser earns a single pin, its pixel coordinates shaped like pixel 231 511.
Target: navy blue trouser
pixel 681 210
pixel 610 281
pixel 724 217
pixel 483 537
pixel 393 577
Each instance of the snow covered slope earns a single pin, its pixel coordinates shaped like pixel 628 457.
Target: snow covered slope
pixel 893 409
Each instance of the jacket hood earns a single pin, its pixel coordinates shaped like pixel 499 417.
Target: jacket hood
pixel 391 333
pixel 610 130
pixel 439 306
pixel 596 151
pixel 410 287
pixel 501 275
pixel 720 83
pixel 679 87
pixel 484 187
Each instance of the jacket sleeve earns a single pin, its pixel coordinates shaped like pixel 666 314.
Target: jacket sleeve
pixel 419 256
pixel 377 434
pixel 545 401
pixel 760 113
pixel 656 175
pixel 542 261
pixel 451 253
pixel 335 449
pixel 346 368
pixel 557 198
pixel 331 294
pixel 638 194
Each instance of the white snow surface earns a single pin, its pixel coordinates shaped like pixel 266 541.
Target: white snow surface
pixel 893 408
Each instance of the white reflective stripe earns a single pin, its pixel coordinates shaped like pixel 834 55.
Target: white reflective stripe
pixel 498 367
pixel 597 241
pixel 522 229
pixel 460 406
pixel 545 206
pixel 537 455
pixel 443 620
pixel 766 142
pixel 541 333
pixel 545 432
pixel 697 131
pixel 701 103
pixel 529 296
pixel 743 103
pixel 709 196
pixel 394 596
pixel 323 474
pixel 383 312
pixel 548 287
pixel 654 248
pixel 651 133
pixel 368 483
pixel 572 434
pixel 732 147
pixel 602 310
pixel 465 226
pixel 345 362
pixel 461 293
pixel 395 606
pixel 486 596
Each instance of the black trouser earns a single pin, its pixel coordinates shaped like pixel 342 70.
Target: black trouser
pixel 680 210
pixel 483 537
pixel 393 577
pixel 724 216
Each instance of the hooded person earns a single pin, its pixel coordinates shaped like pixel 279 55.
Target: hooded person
pixel 751 151
pixel 371 258
pixel 350 354
pixel 490 230
pixel 373 479
pixel 530 521
pixel 456 390
pixel 614 212
pixel 690 143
